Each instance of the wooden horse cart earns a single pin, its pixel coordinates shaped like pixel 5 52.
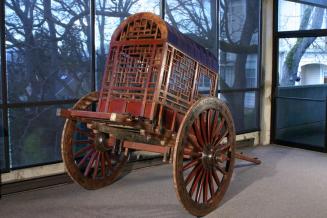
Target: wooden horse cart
pixel 158 94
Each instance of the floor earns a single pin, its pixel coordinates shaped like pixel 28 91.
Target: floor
pixel 289 183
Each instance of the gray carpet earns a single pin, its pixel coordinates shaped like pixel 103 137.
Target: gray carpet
pixel 289 183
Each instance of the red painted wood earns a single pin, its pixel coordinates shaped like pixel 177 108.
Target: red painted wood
pixel 90 163
pixel 117 106
pixel 88 154
pixel 96 167
pixel 83 150
pixel 103 165
pixel 196 128
pixel 196 181
pixel 205 187
pixel 190 164
pixel 193 173
pixel 145 147
pixel 134 107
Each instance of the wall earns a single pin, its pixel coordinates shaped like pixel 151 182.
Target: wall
pixel 267 57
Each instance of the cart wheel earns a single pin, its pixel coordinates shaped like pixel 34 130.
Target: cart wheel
pixel 89 165
pixel 204 156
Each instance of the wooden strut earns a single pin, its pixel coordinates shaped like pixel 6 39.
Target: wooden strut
pixel 241 156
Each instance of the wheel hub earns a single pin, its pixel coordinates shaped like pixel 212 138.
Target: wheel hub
pixel 211 157
pixel 101 141
pixel 208 158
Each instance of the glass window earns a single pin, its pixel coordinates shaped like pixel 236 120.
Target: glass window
pixel 238 44
pixel 34 135
pixel 301 16
pixel 48 49
pixel 302 61
pixel 109 14
pixel 244 107
pixel 204 85
pixel 49 46
pixel 300 100
pixel 239 56
pixel 1 81
pixel 2 153
pixel 197 19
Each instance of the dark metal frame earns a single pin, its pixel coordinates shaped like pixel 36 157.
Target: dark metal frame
pixel 280 35
pixel 5 106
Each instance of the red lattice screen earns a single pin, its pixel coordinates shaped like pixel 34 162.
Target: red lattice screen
pixel 206 82
pixel 140 29
pixel 179 88
pixel 132 70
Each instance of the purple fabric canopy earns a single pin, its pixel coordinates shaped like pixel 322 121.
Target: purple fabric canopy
pixel 191 48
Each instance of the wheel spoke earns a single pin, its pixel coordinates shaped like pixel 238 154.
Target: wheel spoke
pixel 196 182
pixel 96 167
pixel 84 158
pixel 215 177
pixel 224 148
pixel 193 141
pixel 209 124
pixel 203 124
pixel 220 138
pixel 217 131
pixel 106 156
pixel 82 142
pixel 200 187
pixel 190 164
pixel 193 173
pixel 83 150
pixel 214 126
pixel 192 153
pixel 220 169
pixel 103 165
pixel 211 186
pixel 205 187
pixel 198 132
pixel 90 164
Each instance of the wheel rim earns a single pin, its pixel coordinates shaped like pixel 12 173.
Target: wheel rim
pixel 204 156
pixel 86 162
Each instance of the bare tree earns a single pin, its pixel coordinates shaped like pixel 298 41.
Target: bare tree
pixel 198 19
pixel 293 57
pixel 105 10
pixel 48 48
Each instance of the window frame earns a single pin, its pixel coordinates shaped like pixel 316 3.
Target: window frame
pixel 277 35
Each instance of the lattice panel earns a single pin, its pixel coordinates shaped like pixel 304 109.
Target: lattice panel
pixel 166 68
pixel 179 92
pixel 105 85
pixel 136 72
pixel 140 29
pixel 132 75
pixel 206 83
